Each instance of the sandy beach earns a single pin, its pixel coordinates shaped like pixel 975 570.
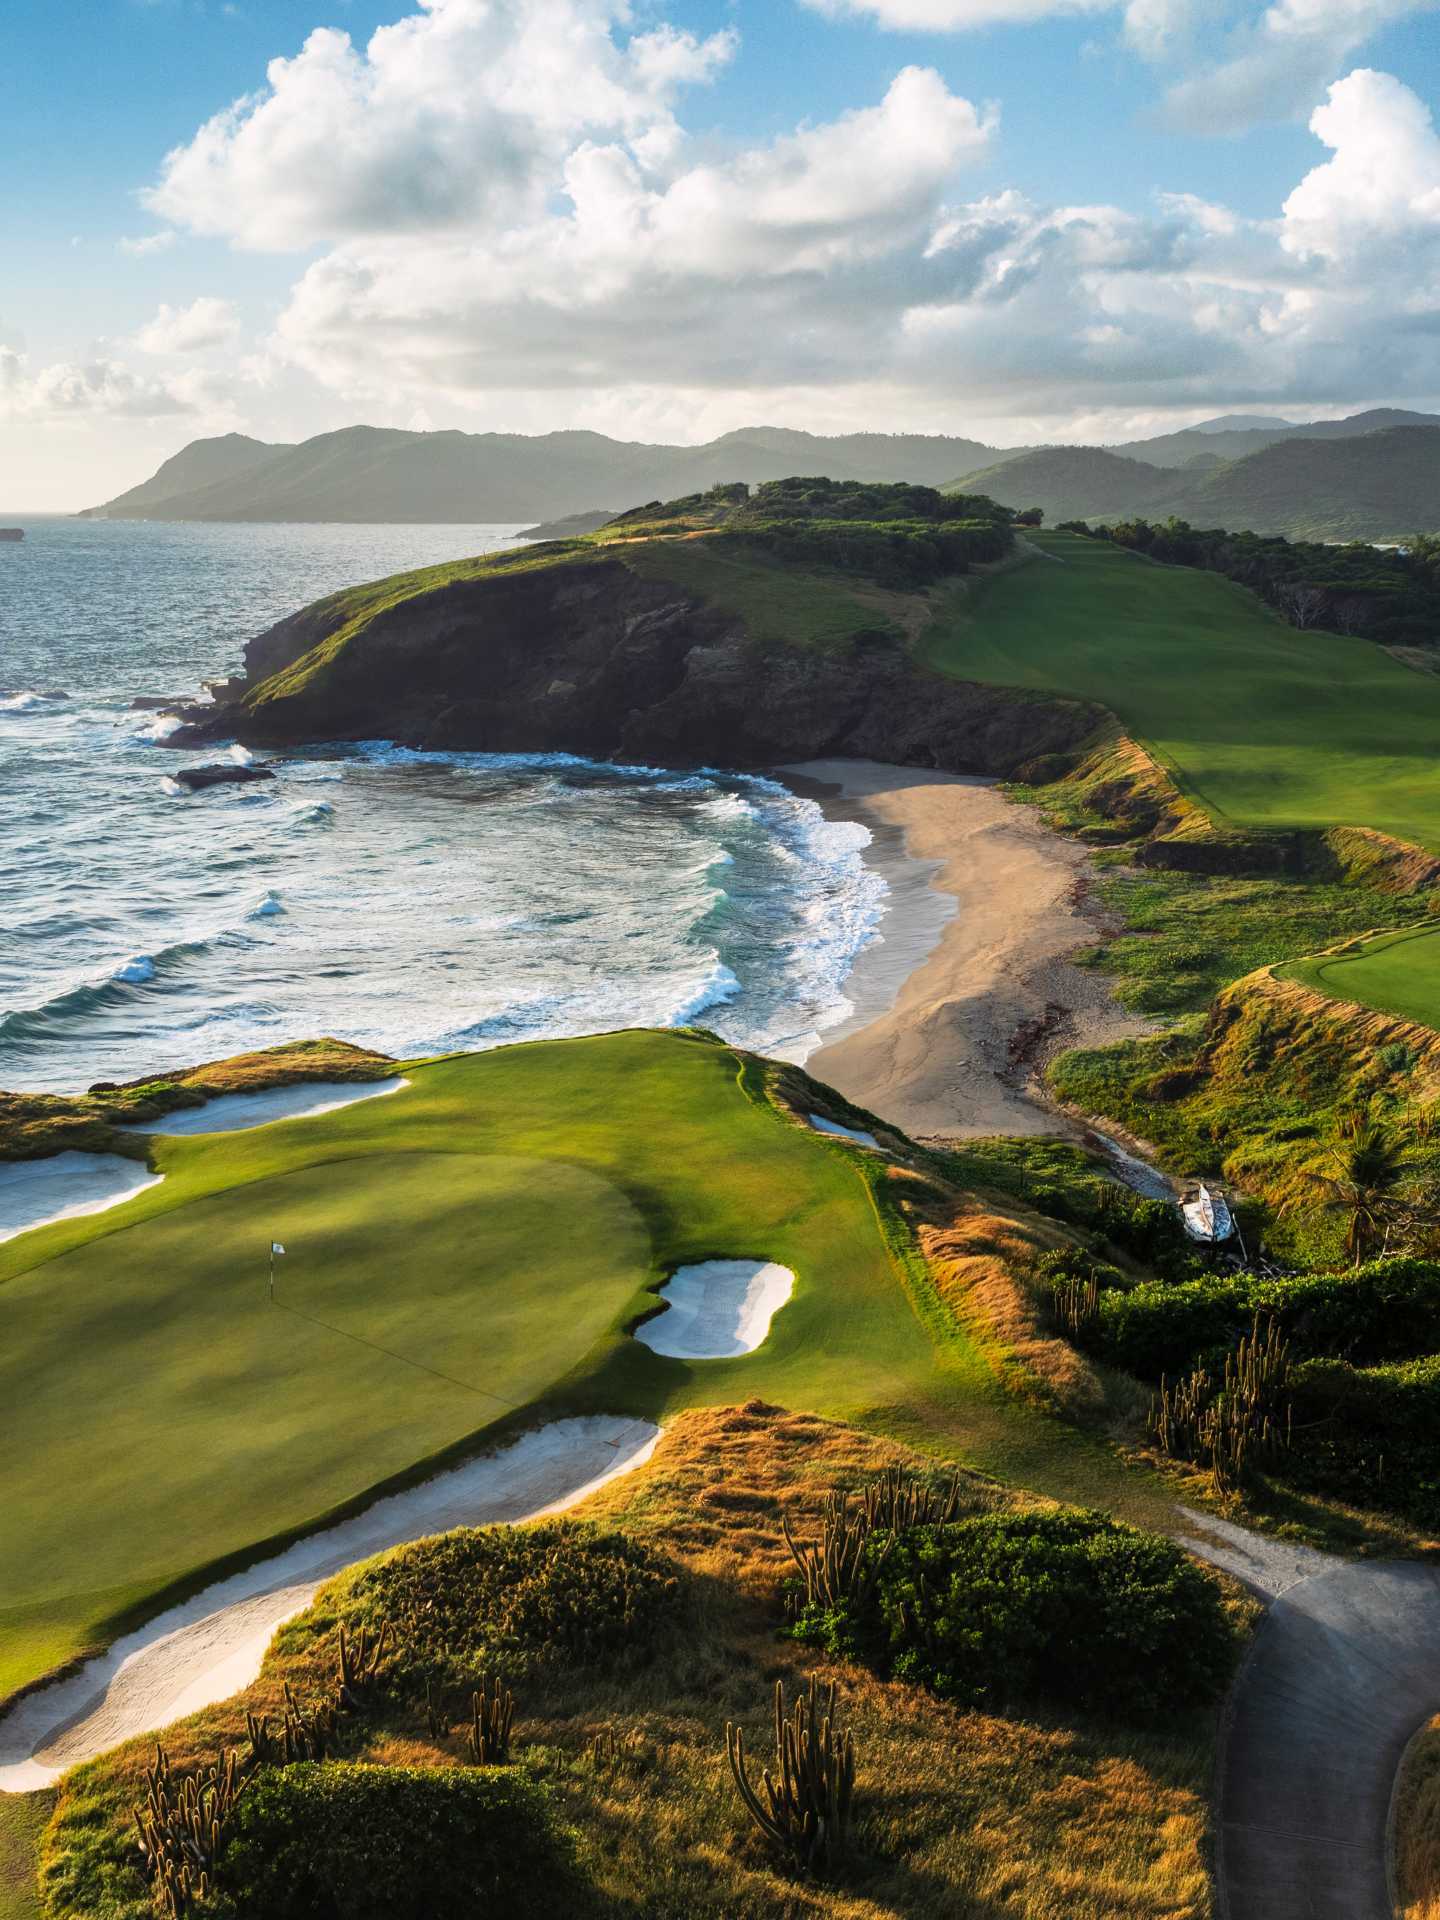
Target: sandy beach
pixel 967 997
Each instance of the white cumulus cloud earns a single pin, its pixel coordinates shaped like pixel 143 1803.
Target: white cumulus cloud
pixel 206 322
pixel 448 117
pixel 104 385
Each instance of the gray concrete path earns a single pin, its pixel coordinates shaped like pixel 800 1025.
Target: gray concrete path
pixel 1345 1667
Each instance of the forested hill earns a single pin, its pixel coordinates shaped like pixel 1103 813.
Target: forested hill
pixel 1374 486
pixel 371 473
pixel 385 474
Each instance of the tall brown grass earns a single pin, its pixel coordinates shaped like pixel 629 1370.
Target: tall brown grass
pixel 960 1815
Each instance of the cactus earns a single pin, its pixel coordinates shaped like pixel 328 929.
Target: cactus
pixel 1076 1303
pixel 360 1665
pixel 436 1720
pixel 804 1807
pixel 1236 1422
pixel 837 1568
pixel 182 1827
pixel 492 1713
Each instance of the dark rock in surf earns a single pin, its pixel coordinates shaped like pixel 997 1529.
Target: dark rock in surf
pixel 196 779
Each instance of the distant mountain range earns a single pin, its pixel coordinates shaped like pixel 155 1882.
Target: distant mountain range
pixel 375 473
pixel 1371 484
pixel 1368 476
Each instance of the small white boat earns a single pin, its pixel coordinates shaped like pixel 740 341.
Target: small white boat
pixel 1207 1215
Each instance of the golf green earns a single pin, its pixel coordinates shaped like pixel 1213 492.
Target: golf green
pixel 478 1242
pixel 1396 973
pixel 1261 724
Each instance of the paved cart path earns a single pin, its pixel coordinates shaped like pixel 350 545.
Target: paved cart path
pixel 1345 1667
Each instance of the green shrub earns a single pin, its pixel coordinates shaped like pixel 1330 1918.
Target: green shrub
pixel 328 1841
pixel 517 1598
pixel 1370 1434
pixel 1388 1310
pixel 1062 1609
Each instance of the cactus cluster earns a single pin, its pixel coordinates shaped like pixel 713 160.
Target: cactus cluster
pixel 804 1806
pixel 303 1734
pixel 1076 1302
pixel 837 1566
pixel 492 1713
pixel 360 1665
pixel 1236 1421
pixel 182 1822
pixel 182 1827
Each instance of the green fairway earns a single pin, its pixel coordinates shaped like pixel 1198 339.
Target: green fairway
pixel 1261 724
pixel 1397 973
pixel 476 1243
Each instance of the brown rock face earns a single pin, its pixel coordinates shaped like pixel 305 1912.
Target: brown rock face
pixel 589 658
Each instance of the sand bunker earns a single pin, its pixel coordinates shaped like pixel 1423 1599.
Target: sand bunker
pixel 717 1309
pixel 232 1112
pixel 844 1133
pixel 35 1192
pixel 212 1645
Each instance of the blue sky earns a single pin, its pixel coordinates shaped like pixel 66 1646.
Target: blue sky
pixel 899 268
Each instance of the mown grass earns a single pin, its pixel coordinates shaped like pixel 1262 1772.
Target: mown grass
pixel 960 1812
pixel 1264 726
pixel 1397 973
pixel 474 1244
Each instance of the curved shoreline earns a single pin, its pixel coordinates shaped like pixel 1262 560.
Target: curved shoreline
pixel 992 990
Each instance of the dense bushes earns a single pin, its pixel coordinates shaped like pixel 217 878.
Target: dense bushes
pixel 897 553
pixel 1385 595
pixel 1370 1434
pixel 1066 1608
pixel 1387 1310
pixel 517 1598
pixel 337 1842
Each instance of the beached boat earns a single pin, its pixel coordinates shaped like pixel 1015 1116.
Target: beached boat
pixel 1207 1215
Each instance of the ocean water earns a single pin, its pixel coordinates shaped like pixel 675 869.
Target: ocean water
pixel 406 901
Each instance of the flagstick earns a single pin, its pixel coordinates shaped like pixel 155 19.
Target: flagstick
pixel 272 1272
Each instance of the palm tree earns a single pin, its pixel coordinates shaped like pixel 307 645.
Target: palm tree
pixel 1370 1161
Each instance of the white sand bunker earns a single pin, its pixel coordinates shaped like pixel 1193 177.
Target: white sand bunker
pixel 844 1133
pixel 717 1309
pixel 212 1645
pixel 35 1192
pixel 233 1112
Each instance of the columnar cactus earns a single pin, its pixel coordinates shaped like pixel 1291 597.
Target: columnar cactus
pixel 804 1806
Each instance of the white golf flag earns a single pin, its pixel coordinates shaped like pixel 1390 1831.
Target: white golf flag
pixel 275 1247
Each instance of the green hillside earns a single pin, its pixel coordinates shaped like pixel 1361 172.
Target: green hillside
pixel 1264 726
pixel 1371 486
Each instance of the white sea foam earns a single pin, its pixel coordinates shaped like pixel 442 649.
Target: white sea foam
pixel 717 989
pixel 241 755
pixel 160 728
pixel 23 703
pixel 136 972
pixel 267 908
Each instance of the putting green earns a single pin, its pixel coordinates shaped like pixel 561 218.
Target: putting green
pixel 481 1239
pixel 1264 726
pixel 1396 973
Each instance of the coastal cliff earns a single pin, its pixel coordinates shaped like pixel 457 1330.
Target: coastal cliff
pixel 665 646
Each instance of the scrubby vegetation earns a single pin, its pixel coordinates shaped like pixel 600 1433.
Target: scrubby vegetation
pixel 1059 1609
pixel 364 1842
pixel 619 1798
pixel 557 1595
pixel 1417 1828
